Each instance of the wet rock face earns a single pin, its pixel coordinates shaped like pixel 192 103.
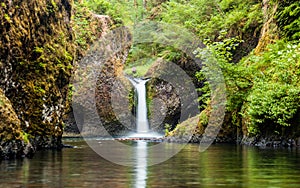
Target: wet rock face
pixel 112 97
pixel 171 93
pixel 101 101
pixel 164 105
pixel 36 55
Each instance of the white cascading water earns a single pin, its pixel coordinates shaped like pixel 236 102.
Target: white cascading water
pixel 142 124
pixel 141 117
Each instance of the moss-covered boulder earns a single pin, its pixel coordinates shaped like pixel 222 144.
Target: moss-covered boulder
pixel 11 136
pixel 36 56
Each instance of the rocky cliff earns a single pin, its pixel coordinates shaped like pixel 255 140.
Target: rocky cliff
pixel 101 99
pixel 36 56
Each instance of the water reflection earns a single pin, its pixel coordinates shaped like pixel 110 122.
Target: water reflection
pixel 141 164
pixel 219 166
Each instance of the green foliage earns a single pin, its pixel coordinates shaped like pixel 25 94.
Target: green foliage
pixel 131 99
pixel 82 19
pixel 113 8
pixel 121 12
pixel 25 137
pixel 142 66
pixel 39 90
pixel 52 7
pixel 3 5
pixel 288 18
pixel 264 89
pixel 273 102
pixel 208 18
pixel 168 128
pixel 204 97
pixel 38 50
pixel 1 102
pixel 225 47
pixel 237 78
pixel 142 56
pixel 7 17
pixel 261 89
pixel 275 95
pixel 218 21
pixel 98 6
pixel 70 92
pixel 203 119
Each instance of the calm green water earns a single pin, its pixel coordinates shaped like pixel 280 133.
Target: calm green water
pixel 219 166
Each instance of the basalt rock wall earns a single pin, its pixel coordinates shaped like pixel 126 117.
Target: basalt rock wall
pixel 36 56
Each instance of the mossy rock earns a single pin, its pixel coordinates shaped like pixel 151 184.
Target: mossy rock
pixel 11 137
pixel 36 55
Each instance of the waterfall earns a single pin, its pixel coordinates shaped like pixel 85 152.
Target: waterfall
pixel 141 118
pixel 142 124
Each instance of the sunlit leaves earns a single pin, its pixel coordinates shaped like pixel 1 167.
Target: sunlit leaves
pixel 275 96
pixel 273 102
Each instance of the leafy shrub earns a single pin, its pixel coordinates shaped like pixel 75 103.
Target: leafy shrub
pixel 275 95
pixel 288 18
